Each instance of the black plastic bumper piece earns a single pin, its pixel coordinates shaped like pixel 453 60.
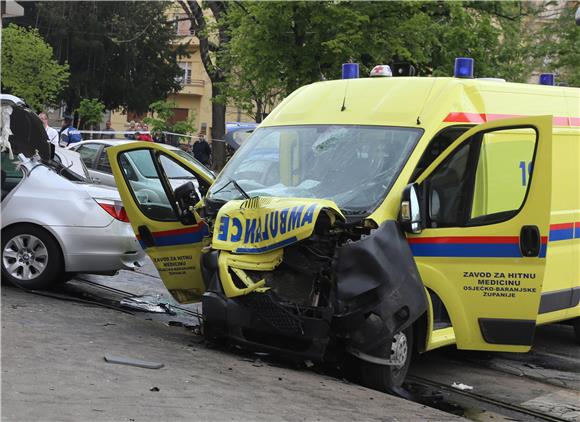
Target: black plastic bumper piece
pixel 516 332
pixel 260 322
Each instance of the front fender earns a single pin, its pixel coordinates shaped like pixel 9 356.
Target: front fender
pixel 379 289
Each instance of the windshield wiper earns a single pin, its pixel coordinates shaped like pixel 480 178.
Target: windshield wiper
pixel 237 186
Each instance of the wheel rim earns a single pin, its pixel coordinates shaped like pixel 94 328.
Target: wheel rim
pixel 399 350
pixel 25 257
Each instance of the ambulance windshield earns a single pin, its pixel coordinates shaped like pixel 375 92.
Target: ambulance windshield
pixel 354 166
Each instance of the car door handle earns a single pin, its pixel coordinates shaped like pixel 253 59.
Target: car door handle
pixel 146 236
pixel 530 241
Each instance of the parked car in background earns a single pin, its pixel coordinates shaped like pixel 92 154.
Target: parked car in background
pixel 94 155
pixel 236 135
pixel 72 161
pixel 55 223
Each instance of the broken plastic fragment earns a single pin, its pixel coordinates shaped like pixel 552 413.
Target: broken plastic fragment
pixel 461 386
pixel 143 304
pixel 133 362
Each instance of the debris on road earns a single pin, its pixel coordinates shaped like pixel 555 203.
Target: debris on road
pixel 133 362
pixel 147 303
pixel 461 386
pixel 154 389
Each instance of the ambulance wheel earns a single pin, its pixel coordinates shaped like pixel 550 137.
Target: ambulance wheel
pixel 31 258
pixel 576 324
pixel 383 377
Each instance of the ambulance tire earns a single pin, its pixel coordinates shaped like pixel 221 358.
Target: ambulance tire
pixel 31 258
pixel 576 324
pixel 388 378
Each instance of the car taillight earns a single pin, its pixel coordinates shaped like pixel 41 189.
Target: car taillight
pixel 114 208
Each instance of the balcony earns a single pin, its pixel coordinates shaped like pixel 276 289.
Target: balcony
pixel 193 87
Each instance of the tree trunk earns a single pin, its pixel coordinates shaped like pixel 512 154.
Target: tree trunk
pixel 259 111
pixel 218 119
pixel 218 130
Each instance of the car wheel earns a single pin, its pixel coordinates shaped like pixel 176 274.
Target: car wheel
pixel 388 377
pixel 31 258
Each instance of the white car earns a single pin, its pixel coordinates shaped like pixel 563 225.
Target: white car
pixel 54 223
pixel 72 161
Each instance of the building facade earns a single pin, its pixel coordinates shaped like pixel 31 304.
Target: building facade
pixel 193 101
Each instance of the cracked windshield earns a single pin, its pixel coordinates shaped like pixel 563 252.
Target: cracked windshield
pixel 353 166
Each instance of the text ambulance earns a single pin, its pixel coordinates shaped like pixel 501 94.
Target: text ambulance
pixel 367 217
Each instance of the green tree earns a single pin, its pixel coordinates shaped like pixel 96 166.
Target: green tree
pixel 557 48
pixel 122 53
pixel 276 47
pixel 162 112
pixel 90 112
pixel 185 127
pixel 29 69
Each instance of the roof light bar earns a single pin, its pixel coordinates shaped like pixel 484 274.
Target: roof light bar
pixel 463 68
pixel 381 70
pixel 547 79
pixel 349 70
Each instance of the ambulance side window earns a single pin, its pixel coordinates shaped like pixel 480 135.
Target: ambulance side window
pixel 483 181
pixel 146 186
pixel 502 176
pixel 438 144
pixel 449 188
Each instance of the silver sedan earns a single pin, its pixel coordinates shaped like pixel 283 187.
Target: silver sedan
pixel 54 227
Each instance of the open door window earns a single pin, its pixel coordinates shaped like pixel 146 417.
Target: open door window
pixel 160 190
pixel 484 222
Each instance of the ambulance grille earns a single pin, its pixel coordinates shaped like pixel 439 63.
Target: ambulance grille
pixel 256 202
pixel 272 313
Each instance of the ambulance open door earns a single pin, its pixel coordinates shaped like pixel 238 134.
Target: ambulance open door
pixel 159 190
pixel 480 236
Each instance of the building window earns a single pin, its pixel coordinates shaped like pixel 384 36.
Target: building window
pixel 179 115
pixel 185 78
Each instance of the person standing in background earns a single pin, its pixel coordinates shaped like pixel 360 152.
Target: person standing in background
pixel 202 150
pixel 130 134
pixel 50 132
pixel 108 128
pixel 68 133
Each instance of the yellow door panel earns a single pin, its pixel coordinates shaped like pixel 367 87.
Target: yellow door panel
pixel 147 176
pixel 487 222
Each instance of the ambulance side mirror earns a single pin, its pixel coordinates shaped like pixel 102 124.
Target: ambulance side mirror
pixel 186 197
pixel 410 213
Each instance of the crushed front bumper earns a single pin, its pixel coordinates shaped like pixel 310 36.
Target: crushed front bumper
pixel 258 321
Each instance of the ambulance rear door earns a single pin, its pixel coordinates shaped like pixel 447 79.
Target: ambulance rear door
pixel 485 209
pixel 159 190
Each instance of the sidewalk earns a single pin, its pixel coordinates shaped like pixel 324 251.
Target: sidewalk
pixel 53 370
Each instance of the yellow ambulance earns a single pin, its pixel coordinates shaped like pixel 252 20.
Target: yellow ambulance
pixel 367 217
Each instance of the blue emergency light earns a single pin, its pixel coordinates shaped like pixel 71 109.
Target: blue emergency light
pixel 349 70
pixel 547 79
pixel 463 68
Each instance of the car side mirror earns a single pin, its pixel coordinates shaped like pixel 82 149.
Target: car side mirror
pixel 186 197
pixel 410 214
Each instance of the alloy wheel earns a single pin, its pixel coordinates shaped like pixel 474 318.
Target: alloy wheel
pixel 25 257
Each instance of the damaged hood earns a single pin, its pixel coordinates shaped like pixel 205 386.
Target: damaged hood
pixel 263 224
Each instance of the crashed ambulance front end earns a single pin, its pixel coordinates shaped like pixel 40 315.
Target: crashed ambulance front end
pixel 311 278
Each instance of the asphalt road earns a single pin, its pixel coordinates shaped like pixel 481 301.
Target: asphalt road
pixel 53 369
